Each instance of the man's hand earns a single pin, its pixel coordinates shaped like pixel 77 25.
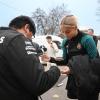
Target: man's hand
pixel 45 58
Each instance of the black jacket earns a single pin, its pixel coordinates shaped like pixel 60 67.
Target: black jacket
pixel 22 77
pixel 83 71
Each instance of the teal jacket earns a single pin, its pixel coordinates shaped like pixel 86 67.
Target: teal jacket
pixel 88 44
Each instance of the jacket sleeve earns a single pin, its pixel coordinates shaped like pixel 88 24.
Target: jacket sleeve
pixel 58 61
pixel 90 46
pixel 26 67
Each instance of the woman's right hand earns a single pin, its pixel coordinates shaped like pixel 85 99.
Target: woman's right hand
pixel 65 70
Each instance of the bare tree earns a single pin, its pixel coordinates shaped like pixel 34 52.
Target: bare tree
pixel 40 18
pixel 49 24
pixel 55 16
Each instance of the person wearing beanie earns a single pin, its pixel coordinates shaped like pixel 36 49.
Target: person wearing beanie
pixel 75 43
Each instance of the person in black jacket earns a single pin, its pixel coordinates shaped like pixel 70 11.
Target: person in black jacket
pixel 22 76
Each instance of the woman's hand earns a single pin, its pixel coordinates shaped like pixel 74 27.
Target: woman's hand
pixel 64 70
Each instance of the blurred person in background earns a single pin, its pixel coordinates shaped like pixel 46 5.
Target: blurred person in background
pixel 91 32
pixel 52 49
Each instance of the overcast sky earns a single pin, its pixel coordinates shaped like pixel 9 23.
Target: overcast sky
pixel 85 10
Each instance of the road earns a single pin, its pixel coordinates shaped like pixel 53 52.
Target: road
pixel 58 93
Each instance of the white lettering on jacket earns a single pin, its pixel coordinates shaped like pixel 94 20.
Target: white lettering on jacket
pixel 2 39
pixel 30 48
